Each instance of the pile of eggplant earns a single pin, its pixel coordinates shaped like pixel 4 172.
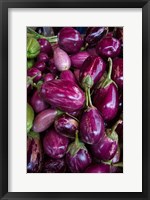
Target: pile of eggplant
pixel 75 101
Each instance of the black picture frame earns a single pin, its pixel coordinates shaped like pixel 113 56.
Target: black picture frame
pixel 4 6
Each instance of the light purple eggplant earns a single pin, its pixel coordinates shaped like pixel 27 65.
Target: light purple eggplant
pixel 34 153
pixel 68 75
pixel 77 156
pixel 70 40
pixel 98 168
pixel 66 125
pixel 45 47
pixel 63 94
pixel 92 70
pixel 78 59
pixel 45 119
pixel 61 59
pixel 106 97
pixel 37 103
pixel 54 144
pixel 117 72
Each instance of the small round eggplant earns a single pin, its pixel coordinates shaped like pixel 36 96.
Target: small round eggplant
pixel 108 47
pixel 42 57
pixel 78 59
pixel 34 72
pixel 66 125
pixel 37 103
pixel 45 47
pixel 117 72
pixel 61 59
pixel 92 70
pixel 54 144
pixel 30 117
pixel 106 98
pixel 77 156
pixel 44 119
pixel 68 75
pixel 63 94
pixel 48 77
pixel 34 153
pixel 70 40
pixel 54 166
pixel 40 65
pixel 98 168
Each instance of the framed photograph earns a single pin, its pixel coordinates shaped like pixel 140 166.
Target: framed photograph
pixel 74 99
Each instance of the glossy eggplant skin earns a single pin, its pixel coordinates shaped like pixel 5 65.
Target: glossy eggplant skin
pixel 91 126
pixel 108 47
pixel 70 40
pixel 54 144
pixel 37 102
pixel 44 120
pixel 94 34
pixel 48 77
pixel 106 149
pixel 68 75
pixel 66 125
pixel 34 153
pixel 117 72
pixel 93 67
pixel 78 59
pixel 42 57
pixel 40 65
pixel 45 47
pixel 54 166
pixel 63 94
pixel 114 160
pixel 33 72
pixel 106 100
pixel 98 168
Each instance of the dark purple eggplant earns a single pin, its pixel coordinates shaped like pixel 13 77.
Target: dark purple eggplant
pixel 45 119
pixel 98 168
pixel 34 72
pixel 34 153
pixel 119 131
pixel 45 47
pixel 68 75
pixel 108 145
pixel 92 51
pixel 54 166
pixel 43 57
pixel 92 70
pixel 37 103
pixel 63 94
pixel 77 74
pixel 40 65
pixel 115 160
pixel 117 72
pixel 106 97
pixel 77 156
pixel 52 68
pixel 94 34
pixel 78 59
pixel 108 47
pixel 61 59
pixel 54 144
pixel 66 125
pixel 70 40
pixel 48 77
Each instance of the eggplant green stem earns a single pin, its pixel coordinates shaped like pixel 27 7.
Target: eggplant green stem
pixel 116 125
pixel 89 98
pixel 76 137
pixel 86 96
pixel 120 164
pixel 72 116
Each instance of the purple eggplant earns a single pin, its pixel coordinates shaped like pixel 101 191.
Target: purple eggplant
pixel 43 57
pixel 70 40
pixel 40 65
pixel 119 131
pixel 48 77
pixel 54 166
pixel 98 168
pixel 77 156
pixel 68 75
pixel 45 119
pixel 34 72
pixel 66 125
pixel 54 144
pixel 94 34
pixel 106 97
pixel 77 74
pixel 34 153
pixel 107 147
pixel 92 51
pixel 52 68
pixel 63 94
pixel 92 70
pixel 37 103
pixel 45 47
pixel 78 59
pixel 108 47
pixel 61 59
pixel 115 160
pixel 117 72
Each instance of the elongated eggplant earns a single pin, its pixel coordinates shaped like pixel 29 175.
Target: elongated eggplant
pixel 78 59
pixel 66 125
pixel 98 168
pixel 77 156
pixel 63 94
pixel 34 153
pixel 92 70
pixel 30 117
pixel 106 97
pixel 70 40
pixel 54 144
pixel 44 119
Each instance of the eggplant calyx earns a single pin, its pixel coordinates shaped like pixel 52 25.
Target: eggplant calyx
pixel 59 112
pixel 33 135
pixel 87 82
pixel 112 134
pixel 119 164
pixel 108 162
